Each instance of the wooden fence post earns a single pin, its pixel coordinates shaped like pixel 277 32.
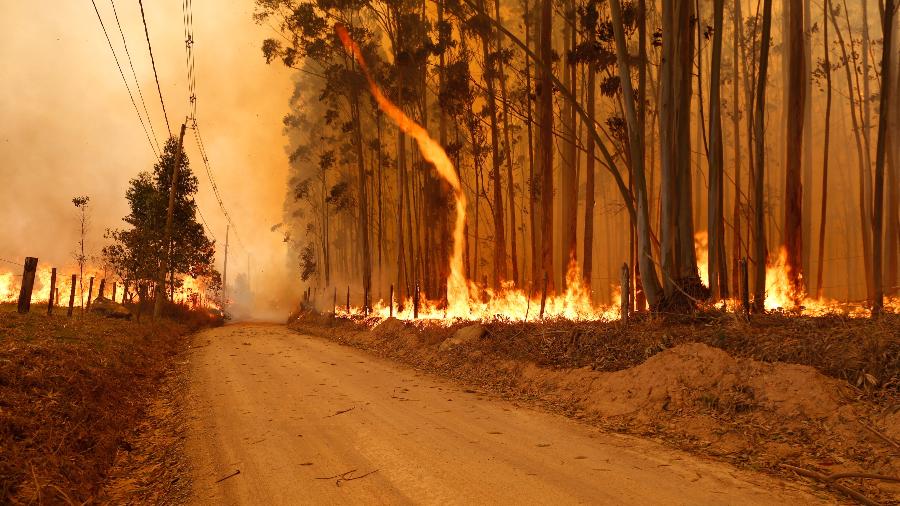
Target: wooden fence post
pixel 27 284
pixel 416 301
pixel 125 292
pixel 626 293
pixel 391 302
pixel 348 300
pixel 72 296
pixel 102 289
pixel 334 304
pixel 90 293
pixel 114 291
pixel 745 287
pixel 544 296
pixel 52 290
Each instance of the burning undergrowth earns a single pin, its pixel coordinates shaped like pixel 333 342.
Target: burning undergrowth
pixel 820 393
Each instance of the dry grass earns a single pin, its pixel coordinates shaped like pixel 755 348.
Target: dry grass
pixel 863 352
pixel 70 388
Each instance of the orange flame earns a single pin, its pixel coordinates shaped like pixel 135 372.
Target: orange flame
pixel 780 294
pixel 457 285
pixel 194 292
pixel 464 299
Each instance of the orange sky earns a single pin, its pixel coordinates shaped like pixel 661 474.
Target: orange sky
pixel 67 126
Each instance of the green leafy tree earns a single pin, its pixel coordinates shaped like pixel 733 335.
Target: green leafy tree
pixel 137 251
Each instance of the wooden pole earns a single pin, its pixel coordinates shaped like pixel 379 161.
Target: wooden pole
pixel 391 301
pixel 416 301
pixel 626 293
pixel 102 289
pixel 170 216
pixel 72 296
pixel 90 293
pixel 57 295
pixel 745 287
pixel 334 304
pixel 52 290
pixel 114 291
pixel 348 300
pixel 527 302
pixel 27 284
pixel 544 296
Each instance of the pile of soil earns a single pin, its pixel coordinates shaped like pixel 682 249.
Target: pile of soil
pixel 755 413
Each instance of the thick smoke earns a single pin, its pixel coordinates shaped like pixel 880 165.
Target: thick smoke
pixel 68 128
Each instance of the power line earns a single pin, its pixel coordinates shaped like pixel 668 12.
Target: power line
pixel 10 261
pixel 205 224
pixel 137 84
pixel 124 80
pixel 212 182
pixel 188 19
pixel 153 62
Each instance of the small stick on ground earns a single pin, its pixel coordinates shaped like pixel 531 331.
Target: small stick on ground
pixel 235 473
pixel 342 477
pixel 341 412
pixel 827 480
pixel 878 433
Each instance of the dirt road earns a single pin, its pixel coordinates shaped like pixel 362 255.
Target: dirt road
pixel 307 421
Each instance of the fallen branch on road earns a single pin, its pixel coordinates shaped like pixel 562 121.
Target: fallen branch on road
pixel 341 412
pixel 347 476
pixel 830 481
pixel 235 473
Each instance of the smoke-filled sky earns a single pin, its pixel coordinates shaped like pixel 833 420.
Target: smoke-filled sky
pixel 67 126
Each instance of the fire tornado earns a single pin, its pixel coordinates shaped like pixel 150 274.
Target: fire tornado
pixel 457 285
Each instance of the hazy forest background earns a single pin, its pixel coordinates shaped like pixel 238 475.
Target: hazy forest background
pixel 549 179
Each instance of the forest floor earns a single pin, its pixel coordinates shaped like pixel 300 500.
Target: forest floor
pixel 73 391
pixel 785 395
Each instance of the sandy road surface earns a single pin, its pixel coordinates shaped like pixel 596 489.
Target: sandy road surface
pixel 287 409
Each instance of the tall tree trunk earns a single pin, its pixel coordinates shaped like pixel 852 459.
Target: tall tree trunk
pixel 568 174
pixel 807 146
pixel 760 253
pixel 534 193
pixel 363 207
pixel 892 231
pixel 825 155
pixel 883 114
pixel 499 254
pixel 587 259
pixel 861 151
pixel 510 190
pixel 545 169
pixel 679 259
pixel 736 126
pixel 793 198
pixel 715 217
pixel 649 279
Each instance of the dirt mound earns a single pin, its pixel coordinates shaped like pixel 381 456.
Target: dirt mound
pixel 694 372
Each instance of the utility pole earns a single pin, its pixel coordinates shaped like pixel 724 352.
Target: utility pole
pixel 170 216
pixel 225 267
